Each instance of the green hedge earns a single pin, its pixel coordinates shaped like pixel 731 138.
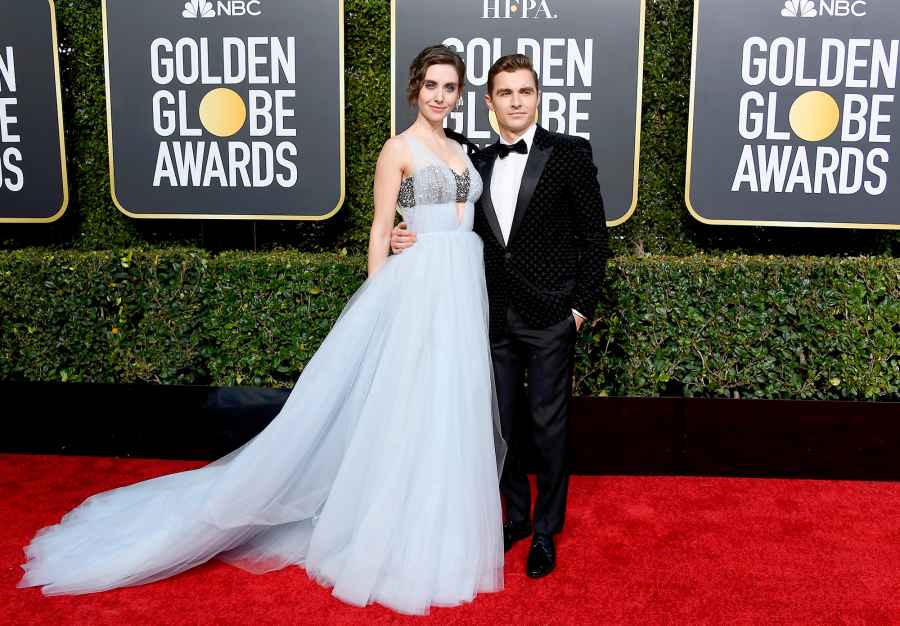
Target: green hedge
pixel 661 224
pixel 710 324
pixel 761 327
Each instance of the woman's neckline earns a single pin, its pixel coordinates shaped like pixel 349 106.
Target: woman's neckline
pixel 437 156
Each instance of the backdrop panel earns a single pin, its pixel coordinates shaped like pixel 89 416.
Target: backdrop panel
pixel 225 109
pixel 793 112
pixel 588 55
pixel 33 186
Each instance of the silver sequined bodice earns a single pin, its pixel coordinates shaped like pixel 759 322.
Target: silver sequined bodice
pixel 407 196
pixel 435 197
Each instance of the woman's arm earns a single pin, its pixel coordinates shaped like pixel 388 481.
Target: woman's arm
pixel 388 174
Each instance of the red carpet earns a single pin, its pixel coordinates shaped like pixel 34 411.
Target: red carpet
pixel 636 550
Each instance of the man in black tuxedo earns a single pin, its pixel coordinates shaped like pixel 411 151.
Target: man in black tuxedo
pixel 545 251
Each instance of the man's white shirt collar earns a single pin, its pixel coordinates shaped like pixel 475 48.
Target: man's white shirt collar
pixel 528 136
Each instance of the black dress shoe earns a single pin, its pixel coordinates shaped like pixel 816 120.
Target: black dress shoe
pixel 542 556
pixel 513 532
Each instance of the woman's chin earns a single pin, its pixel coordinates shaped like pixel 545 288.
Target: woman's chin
pixel 434 118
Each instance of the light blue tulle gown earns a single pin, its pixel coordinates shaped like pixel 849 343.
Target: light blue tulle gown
pixel 379 475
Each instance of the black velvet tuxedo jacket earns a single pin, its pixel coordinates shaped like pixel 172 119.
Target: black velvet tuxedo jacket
pixel 555 259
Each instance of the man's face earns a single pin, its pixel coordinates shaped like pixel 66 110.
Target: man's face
pixel 513 100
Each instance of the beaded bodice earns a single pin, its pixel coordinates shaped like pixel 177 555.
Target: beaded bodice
pixel 407 196
pixel 435 197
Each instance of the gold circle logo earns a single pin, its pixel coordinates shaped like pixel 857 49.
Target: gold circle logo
pixel 814 116
pixel 222 112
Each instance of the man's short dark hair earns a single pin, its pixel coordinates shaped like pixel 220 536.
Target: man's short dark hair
pixel 511 63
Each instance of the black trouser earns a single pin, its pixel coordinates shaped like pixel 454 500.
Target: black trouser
pixel 548 355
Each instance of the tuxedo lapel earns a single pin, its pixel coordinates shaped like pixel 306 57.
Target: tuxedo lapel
pixel 489 156
pixel 534 167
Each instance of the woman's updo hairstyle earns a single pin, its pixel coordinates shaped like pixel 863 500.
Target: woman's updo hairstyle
pixel 432 55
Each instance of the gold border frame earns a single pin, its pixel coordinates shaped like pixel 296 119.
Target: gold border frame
pixel 62 140
pixel 687 177
pixel 228 216
pixel 637 119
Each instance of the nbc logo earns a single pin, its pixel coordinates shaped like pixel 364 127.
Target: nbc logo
pixel 799 8
pixel 198 8
pixel 832 8
pixel 233 8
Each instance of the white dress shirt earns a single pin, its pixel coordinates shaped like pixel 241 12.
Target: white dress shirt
pixel 506 178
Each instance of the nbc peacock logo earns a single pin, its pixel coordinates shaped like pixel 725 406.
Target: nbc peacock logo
pixel 799 8
pixel 194 9
pixel 198 8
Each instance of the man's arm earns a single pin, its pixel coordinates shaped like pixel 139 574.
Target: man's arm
pixel 592 237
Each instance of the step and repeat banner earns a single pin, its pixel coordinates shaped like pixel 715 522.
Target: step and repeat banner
pixel 225 108
pixel 33 186
pixel 793 113
pixel 588 55
pixel 234 109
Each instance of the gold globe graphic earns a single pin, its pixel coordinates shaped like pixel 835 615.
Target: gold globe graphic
pixel 814 116
pixel 492 119
pixel 222 112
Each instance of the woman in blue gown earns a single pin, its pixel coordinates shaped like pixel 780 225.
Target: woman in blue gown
pixel 379 474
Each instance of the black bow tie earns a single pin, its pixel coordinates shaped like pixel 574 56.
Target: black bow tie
pixel 520 146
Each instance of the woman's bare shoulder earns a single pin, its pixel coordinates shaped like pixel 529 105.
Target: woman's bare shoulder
pixel 395 148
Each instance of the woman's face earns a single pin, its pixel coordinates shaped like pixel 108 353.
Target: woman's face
pixel 439 92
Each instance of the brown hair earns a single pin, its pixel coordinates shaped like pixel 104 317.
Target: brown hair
pixel 432 55
pixel 511 63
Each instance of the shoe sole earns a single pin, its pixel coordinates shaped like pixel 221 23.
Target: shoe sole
pixel 530 575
